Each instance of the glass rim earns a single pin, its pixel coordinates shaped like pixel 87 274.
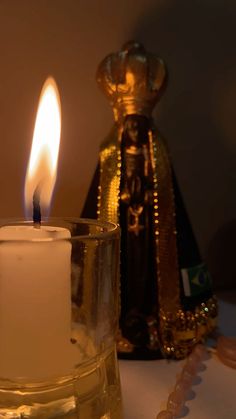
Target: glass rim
pixel 111 230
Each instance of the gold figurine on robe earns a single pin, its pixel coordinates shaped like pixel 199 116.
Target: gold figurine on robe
pixel 166 301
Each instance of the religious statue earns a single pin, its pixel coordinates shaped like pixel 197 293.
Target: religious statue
pixel 166 301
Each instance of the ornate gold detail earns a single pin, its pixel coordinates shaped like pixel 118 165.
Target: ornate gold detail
pixel 180 331
pixel 165 228
pixel 153 327
pixel 110 172
pixel 123 345
pixel 134 214
pixel 132 80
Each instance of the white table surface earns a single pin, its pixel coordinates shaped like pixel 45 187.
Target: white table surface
pixel 146 384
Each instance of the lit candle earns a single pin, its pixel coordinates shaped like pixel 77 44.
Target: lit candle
pixel 35 300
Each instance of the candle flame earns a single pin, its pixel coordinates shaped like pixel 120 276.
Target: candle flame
pixel 42 167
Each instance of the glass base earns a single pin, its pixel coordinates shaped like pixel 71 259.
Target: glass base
pixel 93 393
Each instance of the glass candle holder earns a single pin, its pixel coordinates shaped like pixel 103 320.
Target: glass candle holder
pixel 59 303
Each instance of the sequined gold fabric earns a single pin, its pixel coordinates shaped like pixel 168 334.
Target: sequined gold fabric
pixel 110 171
pixel 165 228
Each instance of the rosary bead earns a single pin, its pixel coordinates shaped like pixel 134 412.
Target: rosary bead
pixel 194 357
pixel 191 367
pixel 175 402
pixel 226 341
pixel 200 350
pixel 226 348
pixel 227 361
pixel 165 414
pixel 182 386
pixel 186 376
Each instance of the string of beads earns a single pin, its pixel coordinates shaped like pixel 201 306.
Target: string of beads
pixel 226 352
pixel 183 384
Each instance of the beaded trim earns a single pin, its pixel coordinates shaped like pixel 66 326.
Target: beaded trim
pixel 164 228
pixel 182 330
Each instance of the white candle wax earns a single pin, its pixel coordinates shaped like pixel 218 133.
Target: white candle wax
pixel 35 302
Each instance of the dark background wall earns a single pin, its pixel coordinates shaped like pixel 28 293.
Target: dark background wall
pixel 197 114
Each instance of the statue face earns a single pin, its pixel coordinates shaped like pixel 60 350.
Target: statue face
pixel 132 130
pixel 136 130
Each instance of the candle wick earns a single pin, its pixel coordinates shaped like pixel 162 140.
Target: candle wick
pixel 36 208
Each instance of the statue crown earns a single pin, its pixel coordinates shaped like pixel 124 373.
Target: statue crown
pixel 132 79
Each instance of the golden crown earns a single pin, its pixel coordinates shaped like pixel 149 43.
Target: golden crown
pixel 132 79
